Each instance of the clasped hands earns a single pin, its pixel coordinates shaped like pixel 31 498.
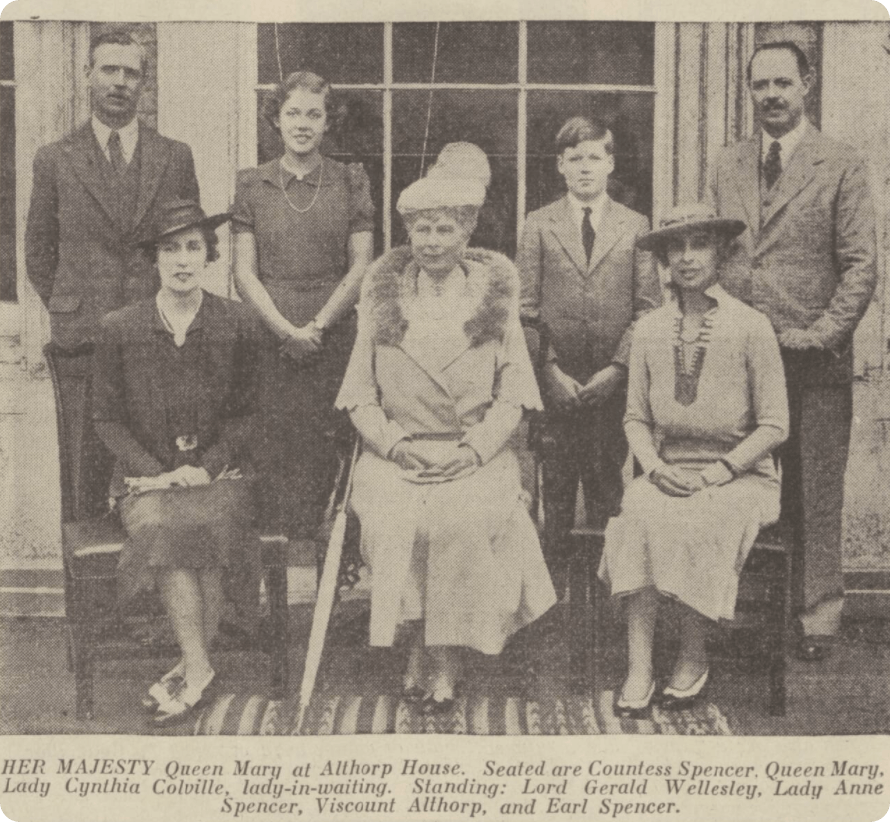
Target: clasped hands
pixel 302 343
pixel 799 339
pixel 567 392
pixel 454 459
pixel 684 482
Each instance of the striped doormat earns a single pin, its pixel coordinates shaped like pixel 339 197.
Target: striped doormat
pixel 253 715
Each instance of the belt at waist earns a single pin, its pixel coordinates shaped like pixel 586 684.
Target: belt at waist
pixel 450 436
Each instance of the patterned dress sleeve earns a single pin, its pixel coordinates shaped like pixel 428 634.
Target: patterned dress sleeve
pixel 243 215
pixel 361 207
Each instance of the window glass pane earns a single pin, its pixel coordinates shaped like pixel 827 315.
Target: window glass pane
pixel 628 115
pixel 356 136
pixel 487 118
pixel 466 52
pixel 7 194
pixel 599 52
pixel 6 45
pixel 340 52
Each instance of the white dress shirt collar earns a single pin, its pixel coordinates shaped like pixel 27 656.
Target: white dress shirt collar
pixel 129 137
pixel 597 207
pixel 788 142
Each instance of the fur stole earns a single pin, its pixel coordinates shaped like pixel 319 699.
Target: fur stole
pixel 391 280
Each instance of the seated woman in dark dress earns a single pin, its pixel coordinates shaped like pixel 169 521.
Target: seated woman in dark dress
pixel 174 394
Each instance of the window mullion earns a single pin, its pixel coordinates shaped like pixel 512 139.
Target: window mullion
pixel 521 117
pixel 387 136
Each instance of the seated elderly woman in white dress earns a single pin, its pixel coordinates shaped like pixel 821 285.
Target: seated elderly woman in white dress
pixel 706 406
pixel 436 386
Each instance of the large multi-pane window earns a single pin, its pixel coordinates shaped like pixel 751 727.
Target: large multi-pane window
pixel 406 89
pixel 7 166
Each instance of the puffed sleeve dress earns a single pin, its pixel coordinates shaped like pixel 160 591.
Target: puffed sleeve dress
pixel 462 555
pixel 302 229
pixel 693 548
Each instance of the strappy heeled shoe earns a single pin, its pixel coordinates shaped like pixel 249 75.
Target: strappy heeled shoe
pixel 633 708
pixel 185 704
pixel 673 699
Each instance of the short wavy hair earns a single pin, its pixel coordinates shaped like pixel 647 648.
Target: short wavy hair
pixel 210 239
pixel 275 99
pixel 465 216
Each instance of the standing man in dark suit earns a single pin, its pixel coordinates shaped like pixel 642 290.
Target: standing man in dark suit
pixel 95 197
pixel 808 261
pixel 583 276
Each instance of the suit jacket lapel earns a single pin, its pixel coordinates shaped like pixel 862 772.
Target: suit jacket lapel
pixel 154 158
pixel 85 164
pixel 607 235
pixel 747 180
pixel 562 224
pixel 799 171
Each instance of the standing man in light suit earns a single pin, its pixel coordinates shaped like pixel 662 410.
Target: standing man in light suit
pixel 583 275
pixel 808 261
pixel 95 198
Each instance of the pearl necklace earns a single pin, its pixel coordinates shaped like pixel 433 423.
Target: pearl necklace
pixel 314 196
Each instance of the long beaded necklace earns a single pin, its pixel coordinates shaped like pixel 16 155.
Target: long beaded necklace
pixel 687 371
pixel 314 196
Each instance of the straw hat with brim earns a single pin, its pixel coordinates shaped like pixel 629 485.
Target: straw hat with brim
pixel 685 218
pixel 178 215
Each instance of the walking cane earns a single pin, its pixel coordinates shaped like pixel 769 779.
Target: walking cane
pixel 324 602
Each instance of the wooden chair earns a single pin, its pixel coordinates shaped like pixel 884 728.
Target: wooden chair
pixel 767 575
pixel 91 546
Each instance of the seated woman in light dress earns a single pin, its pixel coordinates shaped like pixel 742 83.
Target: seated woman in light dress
pixel 436 386
pixel 706 406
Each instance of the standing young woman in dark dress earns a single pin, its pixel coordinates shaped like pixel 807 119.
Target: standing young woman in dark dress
pixel 303 238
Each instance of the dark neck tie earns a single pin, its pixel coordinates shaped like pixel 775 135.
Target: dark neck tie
pixel 588 235
pixel 116 153
pixel 772 165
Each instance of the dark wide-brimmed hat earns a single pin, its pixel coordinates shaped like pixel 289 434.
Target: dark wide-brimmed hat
pixel 178 215
pixel 688 217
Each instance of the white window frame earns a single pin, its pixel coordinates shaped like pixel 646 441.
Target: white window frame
pixel 663 83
